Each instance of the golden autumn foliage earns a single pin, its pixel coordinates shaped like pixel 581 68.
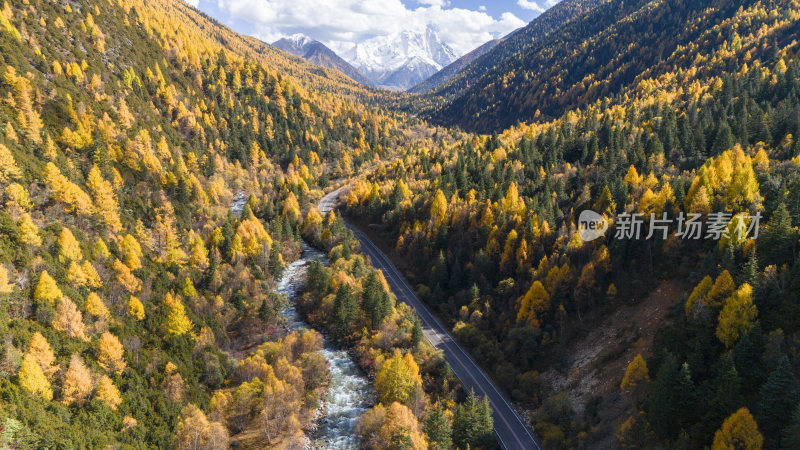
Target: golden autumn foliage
pixel 126 278
pixel 77 385
pixel 196 431
pixel 291 208
pixel 39 349
pixel 135 308
pixel 253 236
pixel 75 275
pixel 722 288
pixel 398 378
pixel 400 421
pixel 439 209
pixel 737 316
pixel 105 200
pixel 110 353
pixel 108 393
pixel 33 380
pixel 29 231
pixel 738 432
pixel 90 274
pixel 382 427
pixel 46 289
pixel 69 320
pixel 5 286
pixel 698 294
pixel 635 374
pixel 100 250
pixel 177 322
pixel 95 306
pixel 534 302
pixel 132 252
pixel 67 192
pixel 9 171
pixel 198 255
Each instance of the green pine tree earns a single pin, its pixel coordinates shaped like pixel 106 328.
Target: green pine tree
pixel 438 429
pixel 345 311
pixel 779 395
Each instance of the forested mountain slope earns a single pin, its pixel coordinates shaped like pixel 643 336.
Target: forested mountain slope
pixel 454 68
pixel 136 305
pixel 452 82
pixel 600 53
pixel 487 230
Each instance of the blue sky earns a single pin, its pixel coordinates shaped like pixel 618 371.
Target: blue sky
pixel 464 24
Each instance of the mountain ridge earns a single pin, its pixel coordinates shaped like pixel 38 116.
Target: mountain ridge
pixel 318 54
pixel 451 70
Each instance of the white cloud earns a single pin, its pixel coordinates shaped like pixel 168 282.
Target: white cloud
pixel 341 23
pixel 434 2
pixel 533 6
pixel 482 8
pixel 193 2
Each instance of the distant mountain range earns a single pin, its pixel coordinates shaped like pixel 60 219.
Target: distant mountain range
pixel 402 60
pixel 396 62
pixel 317 53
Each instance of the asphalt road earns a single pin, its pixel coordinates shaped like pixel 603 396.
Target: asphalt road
pixel 509 428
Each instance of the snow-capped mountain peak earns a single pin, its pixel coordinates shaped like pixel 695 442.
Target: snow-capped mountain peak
pixel 299 39
pixel 401 60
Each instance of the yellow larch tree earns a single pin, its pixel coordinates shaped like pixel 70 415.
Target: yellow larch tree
pixel 722 288
pixel 108 393
pixel 738 432
pixel 400 422
pixel 737 316
pixel 439 209
pixel 41 352
pixel 27 117
pixel 398 378
pixel 17 198
pixel 195 431
pixel 291 208
pixel 100 249
pixel 135 308
pixel 95 306
pixel 698 294
pixel 67 192
pixel 29 232
pixel 132 252
pixel 69 320
pixel 198 256
pixel 77 385
pixel 92 277
pixel 75 275
pixel 69 249
pixel 110 353
pixel 105 201
pixel 254 237
pixel 9 171
pixel 126 278
pixel 635 374
pixel 177 323
pixel 534 302
pixel 33 380
pixel 46 289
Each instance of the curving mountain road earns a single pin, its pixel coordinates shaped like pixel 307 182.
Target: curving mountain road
pixel 509 428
